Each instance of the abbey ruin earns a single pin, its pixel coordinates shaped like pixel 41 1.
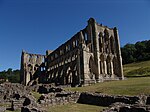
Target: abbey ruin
pixel 90 56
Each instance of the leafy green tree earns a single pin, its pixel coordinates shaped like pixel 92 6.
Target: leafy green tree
pixel 141 48
pixel 15 77
pixel 9 71
pixel 128 53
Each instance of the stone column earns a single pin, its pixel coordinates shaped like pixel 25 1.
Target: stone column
pixel 101 41
pixel 104 47
pixel 95 43
pixel 23 68
pixel 84 54
pixel 78 67
pixel 101 67
pixel 111 69
pixel 118 52
pixel 105 67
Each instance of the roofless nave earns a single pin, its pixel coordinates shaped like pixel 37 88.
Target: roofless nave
pixel 90 56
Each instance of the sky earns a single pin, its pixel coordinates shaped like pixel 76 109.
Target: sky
pixel 39 25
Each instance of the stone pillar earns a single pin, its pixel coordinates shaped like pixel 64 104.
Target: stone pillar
pixel 79 67
pixel 84 57
pixel 103 44
pixel 105 67
pixel 101 67
pixel 22 69
pixel 27 78
pixel 95 43
pixel 118 52
pixel 111 69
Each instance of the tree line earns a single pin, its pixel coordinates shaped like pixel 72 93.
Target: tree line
pixel 10 75
pixel 140 51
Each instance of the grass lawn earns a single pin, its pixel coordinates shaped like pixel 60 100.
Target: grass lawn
pixel 12 111
pixel 131 86
pixel 75 107
pixel 36 95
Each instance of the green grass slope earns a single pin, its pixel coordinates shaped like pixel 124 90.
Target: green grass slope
pixel 140 69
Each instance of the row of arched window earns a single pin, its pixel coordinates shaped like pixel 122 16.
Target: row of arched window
pixel 69 46
pixel 106 43
pixel 61 61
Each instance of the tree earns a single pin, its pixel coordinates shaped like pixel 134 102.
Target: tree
pixel 9 71
pixel 128 53
pixel 141 49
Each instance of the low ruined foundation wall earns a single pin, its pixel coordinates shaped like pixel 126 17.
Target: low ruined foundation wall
pixel 117 103
pixel 106 100
pixel 59 98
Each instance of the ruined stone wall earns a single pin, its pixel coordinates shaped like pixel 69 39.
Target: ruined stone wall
pixel 58 98
pixel 107 100
pixel 31 67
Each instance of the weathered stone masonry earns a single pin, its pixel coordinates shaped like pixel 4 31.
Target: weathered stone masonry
pixel 92 55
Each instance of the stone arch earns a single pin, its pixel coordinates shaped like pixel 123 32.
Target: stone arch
pixel 73 57
pixel 100 41
pixel 85 36
pixel 76 42
pixel 29 72
pixel 114 61
pixel 106 34
pixel 36 67
pixel 74 74
pixel 68 75
pixel 93 70
pixel 51 76
pixel 56 74
pixel 106 40
pixel 108 66
pixel 61 72
pixel 101 64
pixel 30 67
pixel 59 77
pixel 112 48
pixel 73 44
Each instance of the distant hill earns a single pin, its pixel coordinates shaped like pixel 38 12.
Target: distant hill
pixel 137 69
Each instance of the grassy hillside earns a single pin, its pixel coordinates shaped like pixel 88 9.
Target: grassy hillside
pixel 140 69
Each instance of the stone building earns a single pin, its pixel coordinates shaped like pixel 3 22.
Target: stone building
pixel 90 56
